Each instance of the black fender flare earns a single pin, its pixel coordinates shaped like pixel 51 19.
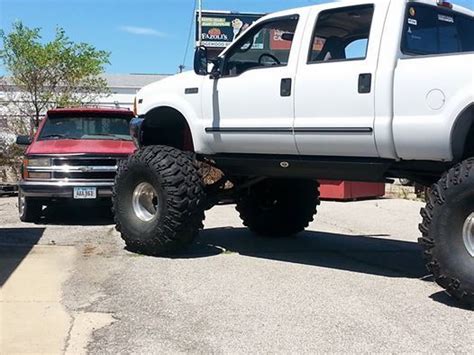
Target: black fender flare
pixel 460 132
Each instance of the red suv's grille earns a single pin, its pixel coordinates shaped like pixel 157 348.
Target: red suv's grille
pixel 85 161
pixel 88 175
pixel 83 168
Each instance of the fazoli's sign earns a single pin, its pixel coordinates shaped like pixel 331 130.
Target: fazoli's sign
pixel 219 29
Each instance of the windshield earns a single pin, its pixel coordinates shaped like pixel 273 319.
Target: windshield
pixel 82 127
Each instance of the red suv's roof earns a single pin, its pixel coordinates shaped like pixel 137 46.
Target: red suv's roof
pixel 95 110
pixel 82 146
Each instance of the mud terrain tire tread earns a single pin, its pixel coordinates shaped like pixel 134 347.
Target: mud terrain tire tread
pixel 292 214
pixel 438 200
pixel 182 213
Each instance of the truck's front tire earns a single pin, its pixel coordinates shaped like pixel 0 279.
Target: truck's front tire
pixel 448 232
pixel 158 200
pixel 279 207
pixel 29 209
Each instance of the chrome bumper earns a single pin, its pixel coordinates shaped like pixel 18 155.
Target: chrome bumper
pixel 63 189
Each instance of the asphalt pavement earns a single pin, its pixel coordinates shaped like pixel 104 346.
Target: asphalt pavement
pixel 354 282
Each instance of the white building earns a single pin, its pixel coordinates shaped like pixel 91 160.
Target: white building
pixel 123 89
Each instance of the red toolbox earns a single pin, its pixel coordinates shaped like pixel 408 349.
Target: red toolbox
pixel 349 190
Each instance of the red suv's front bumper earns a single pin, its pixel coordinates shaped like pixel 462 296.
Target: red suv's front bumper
pixel 56 189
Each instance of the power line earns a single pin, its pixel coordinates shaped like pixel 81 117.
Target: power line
pixel 182 66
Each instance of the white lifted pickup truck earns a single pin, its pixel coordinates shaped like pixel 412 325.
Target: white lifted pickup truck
pixel 363 90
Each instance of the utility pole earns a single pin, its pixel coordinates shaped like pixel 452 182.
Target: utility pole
pixel 200 23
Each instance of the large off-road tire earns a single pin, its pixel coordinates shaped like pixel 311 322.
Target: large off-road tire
pixel 279 207
pixel 448 231
pixel 29 209
pixel 158 200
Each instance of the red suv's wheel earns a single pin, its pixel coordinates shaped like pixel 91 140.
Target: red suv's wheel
pixel 29 209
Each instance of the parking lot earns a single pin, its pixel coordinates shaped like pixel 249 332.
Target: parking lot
pixel 354 282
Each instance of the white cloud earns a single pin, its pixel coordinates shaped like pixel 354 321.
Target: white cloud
pixel 143 31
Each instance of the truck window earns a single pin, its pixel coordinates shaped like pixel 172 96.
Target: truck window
pixel 267 45
pixel 341 34
pixel 90 127
pixel 431 30
pixel 356 49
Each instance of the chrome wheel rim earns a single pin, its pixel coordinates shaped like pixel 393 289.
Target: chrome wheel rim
pixel 21 204
pixel 468 234
pixel 145 202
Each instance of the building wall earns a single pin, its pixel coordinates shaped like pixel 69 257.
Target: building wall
pixel 123 90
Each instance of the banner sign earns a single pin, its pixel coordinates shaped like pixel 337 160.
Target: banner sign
pixel 277 42
pixel 219 29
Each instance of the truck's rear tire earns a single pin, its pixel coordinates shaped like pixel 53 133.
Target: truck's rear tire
pixel 158 200
pixel 448 232
pixel 279 207
pixel 29 209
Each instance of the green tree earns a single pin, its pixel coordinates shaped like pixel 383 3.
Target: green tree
pixel 42 75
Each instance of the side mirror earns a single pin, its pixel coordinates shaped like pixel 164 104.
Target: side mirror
pixel 216 68
pixel 200 61
pixel 288 37
pixel 23 140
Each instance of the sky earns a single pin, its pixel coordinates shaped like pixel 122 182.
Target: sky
pixel 143 36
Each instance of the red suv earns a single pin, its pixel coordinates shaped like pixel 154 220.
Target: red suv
pixel 73 156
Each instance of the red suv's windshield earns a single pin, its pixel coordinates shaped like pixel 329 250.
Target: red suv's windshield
pixel 82 127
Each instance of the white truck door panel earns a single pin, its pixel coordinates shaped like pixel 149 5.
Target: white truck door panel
pixel 245 109
pixel 425 108
pixel 331 117
pixel 248 114
pixel 431 86
pixel 335 93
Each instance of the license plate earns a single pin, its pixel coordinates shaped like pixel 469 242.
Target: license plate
pixel 85 193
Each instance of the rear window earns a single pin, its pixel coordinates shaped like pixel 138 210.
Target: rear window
pixel 433 30
pixel 86 127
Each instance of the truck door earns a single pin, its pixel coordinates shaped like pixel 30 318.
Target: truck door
pixel 250 107
pixel 334 94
